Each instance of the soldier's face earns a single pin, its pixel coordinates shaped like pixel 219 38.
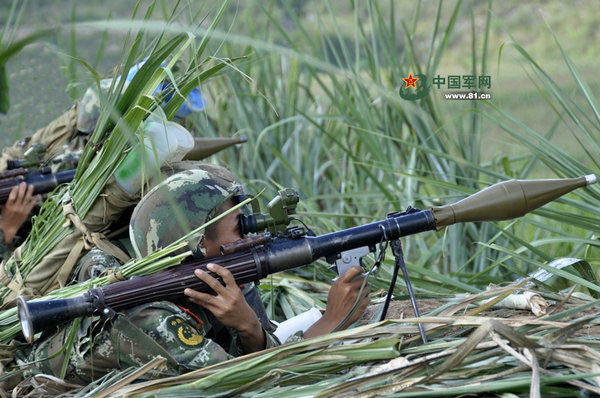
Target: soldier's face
pixel 227 231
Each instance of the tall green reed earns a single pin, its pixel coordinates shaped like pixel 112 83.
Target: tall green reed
pixel 322 113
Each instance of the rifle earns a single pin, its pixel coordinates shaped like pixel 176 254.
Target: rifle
pixel 253 259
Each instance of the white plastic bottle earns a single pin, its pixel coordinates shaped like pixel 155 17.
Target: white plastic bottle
pixel 163 142
pixel 301 322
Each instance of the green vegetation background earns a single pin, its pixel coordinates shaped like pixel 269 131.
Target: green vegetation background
pixel 315 89
pixel 41 86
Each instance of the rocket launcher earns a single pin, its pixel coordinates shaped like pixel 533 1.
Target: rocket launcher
pixel 283 251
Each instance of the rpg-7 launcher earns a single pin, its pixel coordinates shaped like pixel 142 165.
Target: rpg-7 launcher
pixel 28 170
pixel 282 251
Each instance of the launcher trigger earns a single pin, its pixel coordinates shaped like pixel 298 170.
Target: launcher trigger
pixel 350 258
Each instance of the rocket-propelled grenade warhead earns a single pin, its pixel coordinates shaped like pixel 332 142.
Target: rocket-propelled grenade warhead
pixel 506 200
pixel 208 146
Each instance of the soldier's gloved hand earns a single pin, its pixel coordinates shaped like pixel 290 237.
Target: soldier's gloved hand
pixel 341 299
pixel 17 210
pixel 229 306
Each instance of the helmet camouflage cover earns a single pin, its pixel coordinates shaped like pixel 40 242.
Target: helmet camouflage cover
pixel 178 205
pixel 89 106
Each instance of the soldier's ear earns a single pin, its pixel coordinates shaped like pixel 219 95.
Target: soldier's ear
pixel 196 245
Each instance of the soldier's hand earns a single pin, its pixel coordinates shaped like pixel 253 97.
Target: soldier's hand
pixel 229 306
pixel 17 210
pixel 342 296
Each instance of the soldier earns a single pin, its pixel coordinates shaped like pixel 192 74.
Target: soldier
pixel 190 333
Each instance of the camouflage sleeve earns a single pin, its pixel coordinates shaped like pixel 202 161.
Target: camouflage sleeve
pixel 180 333
pixel 96 262
pixel 236 348
pixel 228 337
pixel 93 264
pixel 6 249
pixel 253 299
pixel 186 339
pixel 272 341
pixel 295 338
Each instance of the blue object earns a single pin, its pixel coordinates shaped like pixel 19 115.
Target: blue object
pixel 135 68
pixel 195 101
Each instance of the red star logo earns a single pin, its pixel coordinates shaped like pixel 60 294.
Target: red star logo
pixel 410 81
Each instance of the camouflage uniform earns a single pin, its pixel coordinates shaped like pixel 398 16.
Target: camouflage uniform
pixel 188 338
pixel 185 334
pixel 6 249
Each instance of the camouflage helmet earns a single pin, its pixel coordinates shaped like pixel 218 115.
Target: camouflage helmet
pixel 179 204
pixel 88 110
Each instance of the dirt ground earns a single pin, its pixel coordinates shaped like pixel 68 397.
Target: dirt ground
pixel 400 309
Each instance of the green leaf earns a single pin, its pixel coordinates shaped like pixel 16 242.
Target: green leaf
pixel 4 98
